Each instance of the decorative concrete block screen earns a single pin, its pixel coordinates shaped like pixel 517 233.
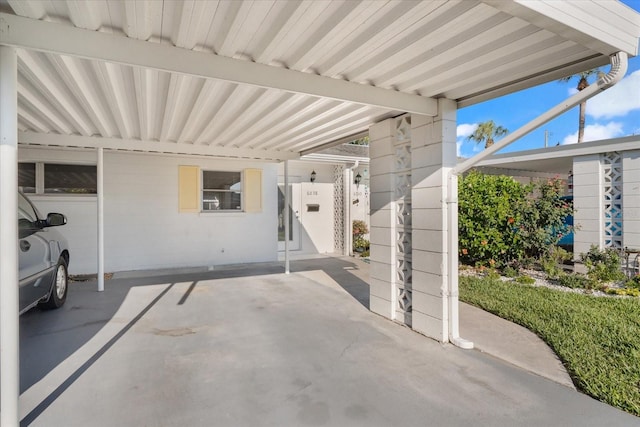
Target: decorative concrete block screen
pixel 612 203
pixel 402 193
pixel 338 207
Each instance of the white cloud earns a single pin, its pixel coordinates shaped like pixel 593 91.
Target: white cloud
pixel 617 101
pixel 465 129
pixel 572 91
pixel 465 148
pixel 596 132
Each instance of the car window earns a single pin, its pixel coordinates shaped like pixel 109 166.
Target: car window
pixel 25 210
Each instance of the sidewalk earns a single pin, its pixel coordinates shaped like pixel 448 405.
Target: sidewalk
pixel 490 334
pixel 512 343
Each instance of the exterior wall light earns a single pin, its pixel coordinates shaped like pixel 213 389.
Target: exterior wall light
pixel 313 176
pixel 357 179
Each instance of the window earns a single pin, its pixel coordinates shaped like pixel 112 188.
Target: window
pixel 54 178
pixel 221 191
pixel 27 177
pixel 70 179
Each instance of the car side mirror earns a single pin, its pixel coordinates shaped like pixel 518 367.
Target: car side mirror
pixel 55 219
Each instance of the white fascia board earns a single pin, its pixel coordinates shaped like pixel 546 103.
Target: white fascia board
pixel 62 39
pixel 79 141
pixel 605 27
pixel 334 143
pixel 551 75
pixel 328 158
pixel 570 150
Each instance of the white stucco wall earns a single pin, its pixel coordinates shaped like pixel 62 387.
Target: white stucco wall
pixel 316 229
pixel 143 228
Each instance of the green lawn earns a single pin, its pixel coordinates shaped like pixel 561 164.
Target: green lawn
pixel 597 338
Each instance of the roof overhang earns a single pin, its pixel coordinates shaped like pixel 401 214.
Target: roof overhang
pixel 554 160
pixel 275 79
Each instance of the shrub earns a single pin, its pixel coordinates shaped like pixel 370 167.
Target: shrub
pixel 487 220
pixel 360 244
pixel 603 265
pixel 625 292
pixel 501 221
pixel 359 229
pixel 574 281
pixel 542 224
pixel 510 272
pixel 492 274
pixel 525 280
pixel 633 283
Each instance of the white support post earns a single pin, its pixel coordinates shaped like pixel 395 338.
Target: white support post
pixel 348 236
pixel 100 179
pixel 9 312
pixel 287 206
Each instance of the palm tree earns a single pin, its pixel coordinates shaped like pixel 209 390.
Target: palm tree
pixel 583 83
pixel 486 132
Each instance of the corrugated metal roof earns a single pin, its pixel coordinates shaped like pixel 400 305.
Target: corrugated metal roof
pixel 463 50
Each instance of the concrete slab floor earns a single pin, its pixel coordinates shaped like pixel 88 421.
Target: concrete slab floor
pixel 256 347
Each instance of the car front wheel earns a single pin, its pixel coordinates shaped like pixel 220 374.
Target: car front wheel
pixel 59 287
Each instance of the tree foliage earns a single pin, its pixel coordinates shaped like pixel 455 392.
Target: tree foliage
pixel 501 220
pixel 487 132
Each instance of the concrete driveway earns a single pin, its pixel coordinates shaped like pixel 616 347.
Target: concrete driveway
pixel 251 346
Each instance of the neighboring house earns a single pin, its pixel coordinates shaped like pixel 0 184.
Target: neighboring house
pixel 604 178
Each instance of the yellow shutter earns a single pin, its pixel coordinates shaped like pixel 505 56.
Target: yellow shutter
pixel 189 189
pixel 253 190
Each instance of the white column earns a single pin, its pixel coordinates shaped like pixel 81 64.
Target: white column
pixel 287 206
pixel 347 213
pixel 9 326
pixel 100 179
pixel 588 204
pixel 382 218
pixel 433 155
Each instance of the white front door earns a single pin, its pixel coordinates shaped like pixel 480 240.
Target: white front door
pixel 294 213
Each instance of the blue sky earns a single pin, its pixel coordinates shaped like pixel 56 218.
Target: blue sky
pixel 611 114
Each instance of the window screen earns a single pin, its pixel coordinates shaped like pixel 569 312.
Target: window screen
pixel 27 177
pixel 70 179
pixel 221 191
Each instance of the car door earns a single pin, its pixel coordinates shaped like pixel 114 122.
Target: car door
pixel 33 255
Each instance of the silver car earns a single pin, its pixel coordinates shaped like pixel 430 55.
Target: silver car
pixel 43 258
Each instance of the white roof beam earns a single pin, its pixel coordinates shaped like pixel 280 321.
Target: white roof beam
pixel 78 141
pixel 66 40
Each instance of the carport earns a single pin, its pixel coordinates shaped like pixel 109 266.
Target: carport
pixel 270 81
